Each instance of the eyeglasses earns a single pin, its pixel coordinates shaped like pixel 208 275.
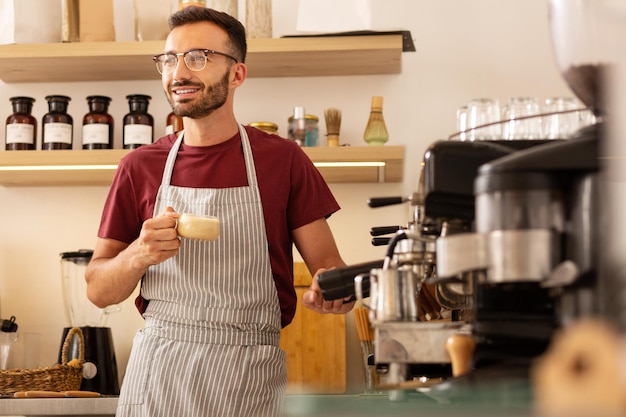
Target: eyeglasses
pixel 195 59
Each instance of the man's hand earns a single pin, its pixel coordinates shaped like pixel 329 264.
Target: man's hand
pixel 313 300
pixel 158 239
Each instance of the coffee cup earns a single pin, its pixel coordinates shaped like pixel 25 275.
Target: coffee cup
pixel 198 226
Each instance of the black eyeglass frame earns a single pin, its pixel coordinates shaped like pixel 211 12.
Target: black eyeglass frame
pixel 184 55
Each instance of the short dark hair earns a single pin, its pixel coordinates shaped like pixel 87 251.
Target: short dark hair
pixel 233 27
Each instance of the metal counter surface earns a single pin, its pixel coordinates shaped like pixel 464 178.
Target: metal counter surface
pixel 32 407
pixel 332 405
pixel 415 405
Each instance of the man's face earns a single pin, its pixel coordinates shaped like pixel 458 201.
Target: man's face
pixel 197 94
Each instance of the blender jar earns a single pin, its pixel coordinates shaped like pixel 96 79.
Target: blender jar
pixel 79 310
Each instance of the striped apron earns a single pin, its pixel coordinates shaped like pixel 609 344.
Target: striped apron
pixel 209 347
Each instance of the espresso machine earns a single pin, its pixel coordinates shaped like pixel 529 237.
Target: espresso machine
pixel 100 366
pixel 411 327
pixel 508 231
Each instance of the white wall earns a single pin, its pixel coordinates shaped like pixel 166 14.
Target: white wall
pixel 465 49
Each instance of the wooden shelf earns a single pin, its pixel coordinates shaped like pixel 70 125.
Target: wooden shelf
pixel 82 167
pixel 271 57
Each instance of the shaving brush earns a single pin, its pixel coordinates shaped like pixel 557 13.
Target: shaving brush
pixel 333 125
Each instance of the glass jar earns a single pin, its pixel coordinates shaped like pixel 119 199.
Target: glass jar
pixel 57 125
pixel 151 19
pixel 138 124
pixel 21 126
pixel 259 18
pixel 174 124
pixel 311 129
pixel 267 127
pixel 230 7
pixel 186 3
pixel 98 124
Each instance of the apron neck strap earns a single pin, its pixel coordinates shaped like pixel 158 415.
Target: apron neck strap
pixel 247 154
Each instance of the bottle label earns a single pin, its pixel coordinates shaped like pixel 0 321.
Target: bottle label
pixel 312 134
pixel 137 135
pixel 20 133
pixel 96 133
pixel 169 129
pixel 57 133
pixel 297 131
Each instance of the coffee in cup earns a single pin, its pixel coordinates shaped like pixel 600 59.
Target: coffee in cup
pixel 198 226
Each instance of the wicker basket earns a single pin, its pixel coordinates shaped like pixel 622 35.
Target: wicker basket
pixel 65 376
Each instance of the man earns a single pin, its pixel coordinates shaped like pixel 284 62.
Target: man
pixel 213 309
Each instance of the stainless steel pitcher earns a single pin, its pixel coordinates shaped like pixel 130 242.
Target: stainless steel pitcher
pixel 393 294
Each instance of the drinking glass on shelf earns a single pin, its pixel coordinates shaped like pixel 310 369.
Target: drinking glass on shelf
pixel 519 123
pixel 586 118
pixel 461 123
pixel 560 125
pixel 483 111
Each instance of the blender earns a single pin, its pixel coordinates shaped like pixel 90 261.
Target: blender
pixel 100 367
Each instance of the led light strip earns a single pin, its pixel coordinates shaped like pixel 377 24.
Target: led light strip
pixel 114 166
pixel 348 164
pixel 58 167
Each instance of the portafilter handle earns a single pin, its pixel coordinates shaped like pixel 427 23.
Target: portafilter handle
pixel 339 282
pixel 384 230
pixel 414 199
pixel 380 241
pixel 385 201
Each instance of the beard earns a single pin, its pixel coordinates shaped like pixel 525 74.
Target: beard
pixel 212 98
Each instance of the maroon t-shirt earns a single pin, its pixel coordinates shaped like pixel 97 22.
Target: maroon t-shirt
pixel 293 193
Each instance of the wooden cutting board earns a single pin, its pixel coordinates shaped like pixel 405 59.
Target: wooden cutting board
pixel 315 345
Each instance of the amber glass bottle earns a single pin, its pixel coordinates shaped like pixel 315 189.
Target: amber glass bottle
pixel 57 125
pixel 21 126
pixel 98 124
pixel 138 124
pixel 174 124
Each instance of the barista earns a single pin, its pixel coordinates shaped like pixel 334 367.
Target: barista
pixel 213 309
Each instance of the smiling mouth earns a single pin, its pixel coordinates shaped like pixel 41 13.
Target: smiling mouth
pixel 181 91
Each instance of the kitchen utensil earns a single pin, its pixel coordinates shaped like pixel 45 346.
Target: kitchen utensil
pixel 393 294
pixel 333 126
pixel 79 310
pixel 376 133
pixel 366 338
pixel 100 365
pixel 56 394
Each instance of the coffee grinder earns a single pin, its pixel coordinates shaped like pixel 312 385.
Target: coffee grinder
pixel 534 248
pixel 100 367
